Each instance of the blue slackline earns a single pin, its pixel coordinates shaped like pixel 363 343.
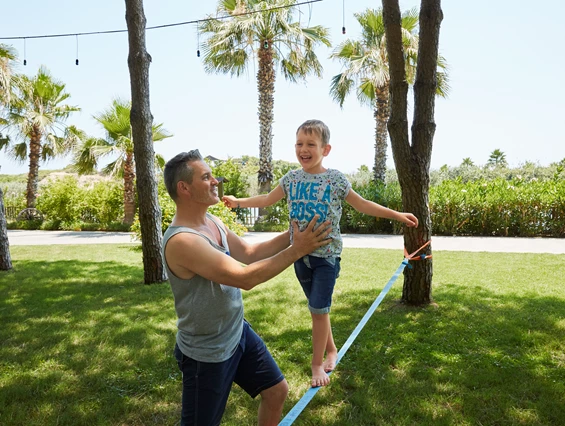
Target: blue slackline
pixel 307 397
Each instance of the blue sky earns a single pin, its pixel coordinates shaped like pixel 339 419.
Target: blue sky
pixel 505 67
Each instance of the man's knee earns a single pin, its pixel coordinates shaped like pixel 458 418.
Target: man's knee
pixel 276 394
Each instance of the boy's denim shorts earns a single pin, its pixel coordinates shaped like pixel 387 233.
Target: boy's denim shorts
pixel 206 385
pixel 317 277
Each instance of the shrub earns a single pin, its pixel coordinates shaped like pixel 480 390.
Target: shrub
pixel 61 199
pixel 499 207
pixel 386 195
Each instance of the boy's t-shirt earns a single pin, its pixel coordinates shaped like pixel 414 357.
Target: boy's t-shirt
pixel 310 194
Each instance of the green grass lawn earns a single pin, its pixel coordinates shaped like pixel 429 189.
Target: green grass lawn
pixel 83 341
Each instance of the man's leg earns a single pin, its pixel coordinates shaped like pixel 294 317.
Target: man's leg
pixel 272 402
pixel 259 374
pixel 205 390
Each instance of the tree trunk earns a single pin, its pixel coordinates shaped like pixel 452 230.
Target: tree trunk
pixel 266 88
pixel 33 174
pixel 141 122
pixel 129 189
pixel 381 113
pixel 5 259
pixel 412 161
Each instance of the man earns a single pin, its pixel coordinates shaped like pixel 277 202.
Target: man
pixel 215 346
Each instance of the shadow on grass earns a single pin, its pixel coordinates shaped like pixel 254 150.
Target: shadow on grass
pixel 479 357
pixel 86 343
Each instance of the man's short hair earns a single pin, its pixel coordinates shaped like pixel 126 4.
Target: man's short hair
pixel 318 127
pixel 178 169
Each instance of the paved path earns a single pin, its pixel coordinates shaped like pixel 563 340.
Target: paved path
pixel 395 242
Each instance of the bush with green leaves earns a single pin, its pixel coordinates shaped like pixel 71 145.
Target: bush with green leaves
pixel 234 183
pixel 499 207
pixel 103 203
pixel 386 195
pixel 61 199
pixel 67 204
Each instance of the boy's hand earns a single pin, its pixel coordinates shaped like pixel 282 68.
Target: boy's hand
pixel 230 201
pixel 310 239
pixel 410 220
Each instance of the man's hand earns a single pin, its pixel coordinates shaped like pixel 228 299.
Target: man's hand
pixel 305 242
pixel 409 219
pixel 230 201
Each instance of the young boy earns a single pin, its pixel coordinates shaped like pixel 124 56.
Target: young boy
pixel 316 190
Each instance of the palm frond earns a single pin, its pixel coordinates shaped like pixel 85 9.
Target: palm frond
pixel 160 162
pixel 19 151
pixel 366 93
pixel 340 87
pixel 232 44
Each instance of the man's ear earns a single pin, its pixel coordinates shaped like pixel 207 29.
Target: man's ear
pixel 326 150
pixel 182 187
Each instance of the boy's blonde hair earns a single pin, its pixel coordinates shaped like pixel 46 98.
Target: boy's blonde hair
pixel 318 127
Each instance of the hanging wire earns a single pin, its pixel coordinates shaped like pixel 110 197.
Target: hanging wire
pixel 25 60
pixel 197 41
pixel 343 14
pixel 162 26
pixel 76 61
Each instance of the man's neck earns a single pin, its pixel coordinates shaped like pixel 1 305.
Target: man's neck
pixel 191 216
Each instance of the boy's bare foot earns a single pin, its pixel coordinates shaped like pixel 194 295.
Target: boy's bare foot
pixel 330 362
pixel 319 376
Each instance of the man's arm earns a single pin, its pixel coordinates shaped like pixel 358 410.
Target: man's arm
pixel 373 209
pixel 264 200
pixel 248 253
pixel 188 255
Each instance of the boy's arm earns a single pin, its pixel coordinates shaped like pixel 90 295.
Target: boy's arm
pixel 263 200
pixel 373 209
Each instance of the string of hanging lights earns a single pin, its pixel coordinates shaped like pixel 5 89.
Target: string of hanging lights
pixel 197 21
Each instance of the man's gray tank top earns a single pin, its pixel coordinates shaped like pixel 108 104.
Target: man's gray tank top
pixel 210 315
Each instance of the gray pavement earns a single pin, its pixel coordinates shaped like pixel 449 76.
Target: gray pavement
pixel 394 242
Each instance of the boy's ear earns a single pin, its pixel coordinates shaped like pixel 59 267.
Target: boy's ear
pixel 326 150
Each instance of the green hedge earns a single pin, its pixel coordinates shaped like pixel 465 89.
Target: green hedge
pixel 499 207
pixel 67 204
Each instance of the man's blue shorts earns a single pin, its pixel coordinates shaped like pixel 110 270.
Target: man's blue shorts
pixel 206 386
pixel 317 277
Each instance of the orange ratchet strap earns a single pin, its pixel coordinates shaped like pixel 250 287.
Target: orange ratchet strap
pixel 412 256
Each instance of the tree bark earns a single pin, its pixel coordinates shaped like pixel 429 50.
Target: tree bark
pixel 5 259
pixel 141 122
pixel 33 174
pixel 266 89
pixel 381 114
pixel 412 160
pixel 129 189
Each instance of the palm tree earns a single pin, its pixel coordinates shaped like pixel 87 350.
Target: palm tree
pixel 38 113
pixel 367 70
pixel 497 159
pixel 467 162
pixel 7 57
pixel 119 142
pixel 265 29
